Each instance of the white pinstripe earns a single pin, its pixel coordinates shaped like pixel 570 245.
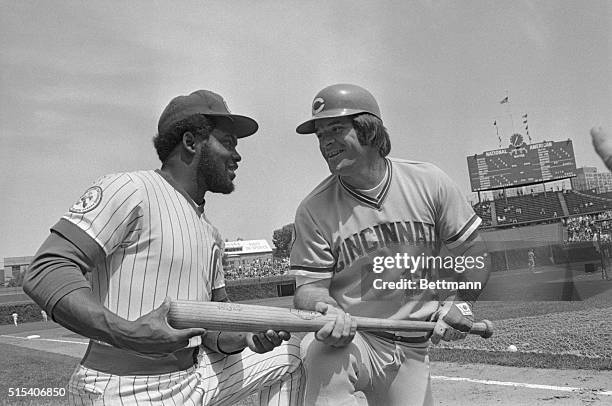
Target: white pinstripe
pixel 141 223
pixel 219 380
pixel 90 387
pixel 158 244
pixel 277 375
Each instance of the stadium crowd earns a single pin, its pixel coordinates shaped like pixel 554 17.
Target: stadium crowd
pixel 585 227
pixel 257 268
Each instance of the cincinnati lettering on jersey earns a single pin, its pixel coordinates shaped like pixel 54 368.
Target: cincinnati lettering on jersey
pixel 370 239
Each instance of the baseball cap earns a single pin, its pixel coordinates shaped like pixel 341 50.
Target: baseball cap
pixel 210 104
pixel 342 99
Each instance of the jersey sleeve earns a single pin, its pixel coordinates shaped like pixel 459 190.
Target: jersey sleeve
pixel 58 267
pixel 456 220
pixel 311 255
pixel 109 211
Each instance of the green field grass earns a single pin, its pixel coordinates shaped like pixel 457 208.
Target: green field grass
pixel 27 368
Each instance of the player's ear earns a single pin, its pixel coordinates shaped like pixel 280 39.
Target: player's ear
pixel 189 142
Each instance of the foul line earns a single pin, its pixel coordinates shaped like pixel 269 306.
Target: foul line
pixel 46 339
pixel 524 385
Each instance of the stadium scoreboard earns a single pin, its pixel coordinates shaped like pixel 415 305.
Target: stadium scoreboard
pixel 522 164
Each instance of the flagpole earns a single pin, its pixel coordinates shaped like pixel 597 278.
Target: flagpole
pixel 510 112
pixel 526 127
pixel 497 132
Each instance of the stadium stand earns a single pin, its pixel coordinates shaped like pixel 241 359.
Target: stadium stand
pixel 257 269
pixel 530 208
pixel 581 202
pixel 585 227
pixel 541 207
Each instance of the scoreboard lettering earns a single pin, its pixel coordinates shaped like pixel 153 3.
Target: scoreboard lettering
pixel 522 164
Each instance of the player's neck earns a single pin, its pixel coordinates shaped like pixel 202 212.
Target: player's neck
pixel 184 179
pixel 368 176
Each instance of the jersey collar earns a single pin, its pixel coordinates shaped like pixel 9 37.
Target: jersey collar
pixel 377 201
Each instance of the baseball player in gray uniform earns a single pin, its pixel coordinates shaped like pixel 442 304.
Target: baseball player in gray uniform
pixel 144 238
pixel 374 210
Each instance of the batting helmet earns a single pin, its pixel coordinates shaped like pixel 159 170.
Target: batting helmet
pixel 337 101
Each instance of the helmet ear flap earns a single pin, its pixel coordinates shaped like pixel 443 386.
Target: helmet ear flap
pixel 339 100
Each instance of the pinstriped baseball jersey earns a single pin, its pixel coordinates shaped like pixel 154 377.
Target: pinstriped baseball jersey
pixel 157 243
pixel 339 231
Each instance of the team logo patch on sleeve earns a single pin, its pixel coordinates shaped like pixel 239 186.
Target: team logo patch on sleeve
pixel 89 201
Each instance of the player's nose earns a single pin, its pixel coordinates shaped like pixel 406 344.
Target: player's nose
pixel 236 156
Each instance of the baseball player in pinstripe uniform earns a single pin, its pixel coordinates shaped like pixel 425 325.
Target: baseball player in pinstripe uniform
pixel 145 239
pixel 375 210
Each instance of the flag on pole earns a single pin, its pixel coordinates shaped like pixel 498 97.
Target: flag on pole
pixel 504 100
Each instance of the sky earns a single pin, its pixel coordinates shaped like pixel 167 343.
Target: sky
pixel 82 85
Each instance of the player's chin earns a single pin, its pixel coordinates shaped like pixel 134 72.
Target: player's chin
pixel 336 168
pixel 224 187
pixel 229 189
pixel 340 166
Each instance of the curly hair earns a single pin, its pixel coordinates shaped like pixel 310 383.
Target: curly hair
pixel 198 124
pixel 371 131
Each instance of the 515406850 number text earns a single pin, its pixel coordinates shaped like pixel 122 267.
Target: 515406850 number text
pixel 36 392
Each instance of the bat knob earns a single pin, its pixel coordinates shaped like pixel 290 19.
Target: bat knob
pixel 488 331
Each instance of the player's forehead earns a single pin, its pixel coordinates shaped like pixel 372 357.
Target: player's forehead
pixel 325 123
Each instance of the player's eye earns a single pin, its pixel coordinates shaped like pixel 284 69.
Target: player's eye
pixel 228 143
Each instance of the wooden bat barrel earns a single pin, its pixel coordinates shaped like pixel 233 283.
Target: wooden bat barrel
pixel 223 316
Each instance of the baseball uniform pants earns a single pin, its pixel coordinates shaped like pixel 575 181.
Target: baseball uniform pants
pixel 387 372
pixel 218 379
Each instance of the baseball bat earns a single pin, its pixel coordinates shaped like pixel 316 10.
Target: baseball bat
pixel 224 316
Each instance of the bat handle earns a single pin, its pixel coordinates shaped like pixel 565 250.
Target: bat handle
pixel 482 328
